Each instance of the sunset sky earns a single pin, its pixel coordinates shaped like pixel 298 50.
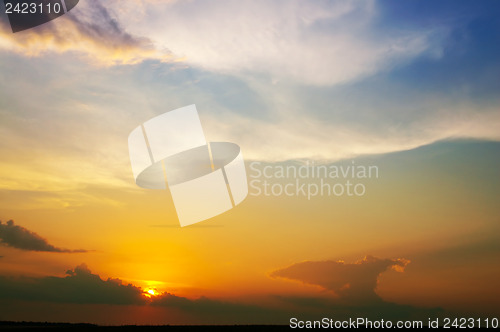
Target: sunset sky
pixel 410 87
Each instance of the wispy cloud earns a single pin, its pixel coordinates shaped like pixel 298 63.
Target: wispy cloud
pixel 307 71
pixel 16 236
pixel 301 132
pixel 89 30
pixel 312 43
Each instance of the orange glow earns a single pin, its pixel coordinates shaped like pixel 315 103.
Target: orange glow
pixel 151 292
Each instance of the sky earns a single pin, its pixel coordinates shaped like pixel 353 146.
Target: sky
pixel 408 87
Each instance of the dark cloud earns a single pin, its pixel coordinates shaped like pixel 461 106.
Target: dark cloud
pixel 96 23
pixel 317 308
pixel 204 305
pixel 78 286
pixel 81 286
pixel 213 311
pixel 21 238
pixel 354 283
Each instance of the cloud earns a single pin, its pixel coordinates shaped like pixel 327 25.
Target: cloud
pixel 89 29
pixel 217 309
pixel 81 286
pixel 292 42
pixel 21 238
pixel 78 286
pixel 353 283
pixel 324 128
pixel 312 43
pixel 310 62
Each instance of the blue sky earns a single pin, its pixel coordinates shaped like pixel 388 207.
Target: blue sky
pixel 285 79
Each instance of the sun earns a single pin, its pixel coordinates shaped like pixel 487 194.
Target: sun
pixel 151 292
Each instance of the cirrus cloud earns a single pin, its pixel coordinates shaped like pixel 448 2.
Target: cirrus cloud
pixel 90 30
pixel 314 43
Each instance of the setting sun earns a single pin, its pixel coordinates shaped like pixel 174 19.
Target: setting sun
pixel 249 163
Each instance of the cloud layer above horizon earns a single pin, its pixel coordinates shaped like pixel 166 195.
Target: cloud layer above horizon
pixel 352 283
pixel 81 286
